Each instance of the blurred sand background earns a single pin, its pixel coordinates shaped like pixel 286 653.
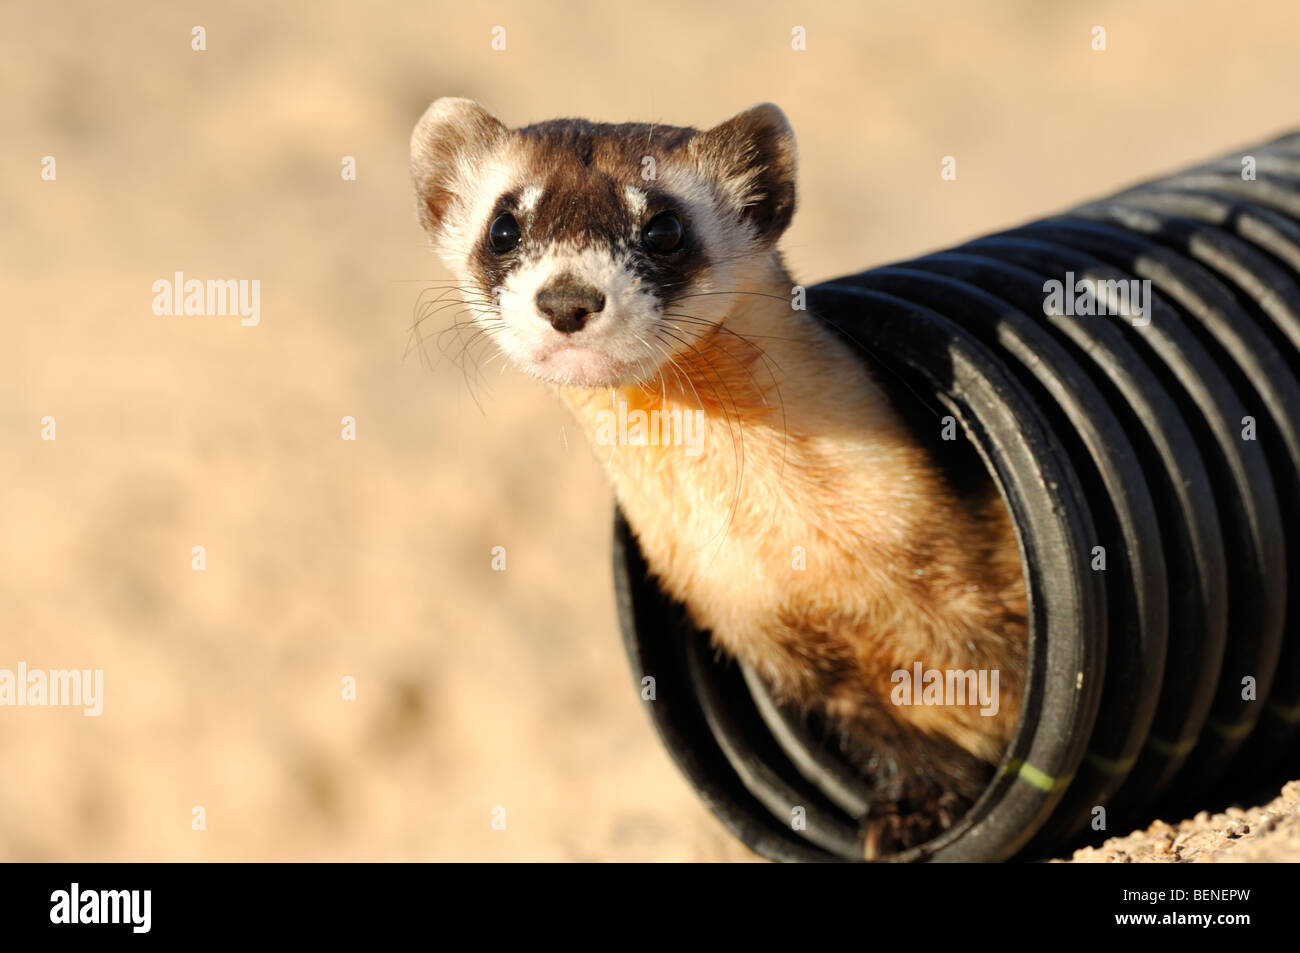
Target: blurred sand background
pixel 328 558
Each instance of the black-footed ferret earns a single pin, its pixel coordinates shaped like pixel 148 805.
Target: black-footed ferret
pixel 771 485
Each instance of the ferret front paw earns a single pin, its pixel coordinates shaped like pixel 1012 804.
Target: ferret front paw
pixel 890 829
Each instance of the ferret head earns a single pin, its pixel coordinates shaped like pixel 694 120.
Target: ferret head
pixel 594 253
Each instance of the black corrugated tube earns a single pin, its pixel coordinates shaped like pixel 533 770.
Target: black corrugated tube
pixel 1170 680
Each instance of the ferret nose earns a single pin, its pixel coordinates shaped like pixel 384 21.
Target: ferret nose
pixel 568 302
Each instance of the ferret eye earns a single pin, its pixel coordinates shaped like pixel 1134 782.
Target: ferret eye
pixel 664 233
pixel 504 235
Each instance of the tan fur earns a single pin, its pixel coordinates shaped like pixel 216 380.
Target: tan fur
pixel 802 450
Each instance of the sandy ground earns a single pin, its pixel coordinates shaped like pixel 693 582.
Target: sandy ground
pixel 370 559
pixel 1264 833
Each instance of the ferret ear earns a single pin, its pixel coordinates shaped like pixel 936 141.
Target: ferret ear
pixel 450 140
pixel 751 158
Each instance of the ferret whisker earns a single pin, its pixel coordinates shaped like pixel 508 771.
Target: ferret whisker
pixel 665 356
pixel 427 309
pixel 718 324
pixel 755 294
pixel 416 338
pixel 465 357
pixel 769 363
pixel 677 367
pixel 427 281
pixel 434 311
pixel 695 337
pixel 718 327
pixel 443 291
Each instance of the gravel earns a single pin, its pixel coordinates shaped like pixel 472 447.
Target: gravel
pixel 1268 833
